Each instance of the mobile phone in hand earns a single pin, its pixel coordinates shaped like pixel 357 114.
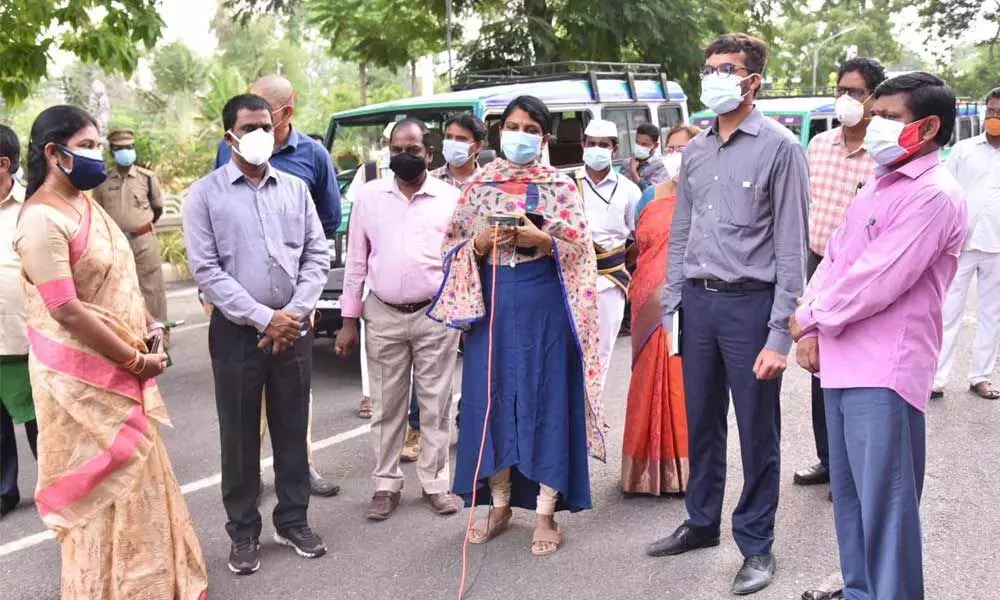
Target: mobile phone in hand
pixel 155 344
pixel 504 221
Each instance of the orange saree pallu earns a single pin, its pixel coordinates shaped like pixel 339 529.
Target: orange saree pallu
pixel 105 483
pixel 655 448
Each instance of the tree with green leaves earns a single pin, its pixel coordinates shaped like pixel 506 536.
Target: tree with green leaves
pixel 109 33
pixel 950 19
pixel 177 69
pixel 381 33
pixel 805 28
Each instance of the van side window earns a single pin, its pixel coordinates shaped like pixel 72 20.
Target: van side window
pixel 964 128
pixel 669 117
pixel 627 119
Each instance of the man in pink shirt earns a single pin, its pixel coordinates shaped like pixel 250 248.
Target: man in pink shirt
pixel 874 310
pixel 394 246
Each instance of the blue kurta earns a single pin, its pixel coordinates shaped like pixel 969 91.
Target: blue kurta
pixel 537 420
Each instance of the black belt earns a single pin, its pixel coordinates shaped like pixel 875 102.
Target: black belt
pixel 406 308
pixel 725 287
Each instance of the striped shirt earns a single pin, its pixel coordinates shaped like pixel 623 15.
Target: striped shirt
pixel 835 176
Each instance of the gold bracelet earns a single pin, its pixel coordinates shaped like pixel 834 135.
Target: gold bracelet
pixel 132 362
pixel 475 251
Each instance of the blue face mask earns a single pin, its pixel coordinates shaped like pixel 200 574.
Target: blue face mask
pixel 519 147
pixel 125 157
pixel 88 169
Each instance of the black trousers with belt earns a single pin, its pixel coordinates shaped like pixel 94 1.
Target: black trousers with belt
pixel 722 335
pixel 242 371
pixel 818 408
pixel 9 492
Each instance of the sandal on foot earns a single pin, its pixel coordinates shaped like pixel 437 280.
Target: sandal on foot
pixel 365 410
pixel 485 530
pixel 546 536
pixel 985 390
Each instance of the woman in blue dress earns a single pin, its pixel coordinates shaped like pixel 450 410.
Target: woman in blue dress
pixel 530 293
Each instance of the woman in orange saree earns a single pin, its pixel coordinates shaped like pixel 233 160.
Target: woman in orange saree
pixel 105 485
pixel 655 448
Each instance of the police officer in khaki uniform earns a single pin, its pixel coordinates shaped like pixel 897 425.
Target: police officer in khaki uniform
pixel 133 198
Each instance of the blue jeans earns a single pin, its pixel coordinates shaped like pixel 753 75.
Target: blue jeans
pixel 877 458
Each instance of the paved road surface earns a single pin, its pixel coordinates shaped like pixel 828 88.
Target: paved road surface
pixel 417 555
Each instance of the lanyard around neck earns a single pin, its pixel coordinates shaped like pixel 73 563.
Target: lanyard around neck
pixel 594 189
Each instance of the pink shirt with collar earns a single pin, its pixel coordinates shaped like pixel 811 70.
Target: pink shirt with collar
pixel 875 301
pixel 394 243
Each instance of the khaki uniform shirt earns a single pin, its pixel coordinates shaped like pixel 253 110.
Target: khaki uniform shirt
pixel 130 200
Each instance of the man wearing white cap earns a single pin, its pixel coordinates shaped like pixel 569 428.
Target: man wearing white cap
pixel 376 168
pixel 610 199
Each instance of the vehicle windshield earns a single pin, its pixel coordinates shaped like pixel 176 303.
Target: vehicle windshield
pixel 357 139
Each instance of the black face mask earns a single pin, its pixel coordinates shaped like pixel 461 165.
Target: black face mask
pixel 408 167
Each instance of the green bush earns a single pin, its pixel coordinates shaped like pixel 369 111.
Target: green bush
pixel 172 251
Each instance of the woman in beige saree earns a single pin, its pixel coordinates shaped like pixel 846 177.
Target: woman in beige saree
pixel 105 484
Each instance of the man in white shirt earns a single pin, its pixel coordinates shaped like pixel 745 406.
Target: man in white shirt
pixel 15 388
pixel 610 200
pixel 975 163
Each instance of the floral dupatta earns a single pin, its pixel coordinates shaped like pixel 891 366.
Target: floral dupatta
pixel 502 186
pixel 95 417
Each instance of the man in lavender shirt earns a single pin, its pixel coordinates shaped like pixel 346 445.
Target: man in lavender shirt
pixel 258 254
pixel 874 309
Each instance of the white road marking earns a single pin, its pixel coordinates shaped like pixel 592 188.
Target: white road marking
pixel 190 488
pixel 195 486
pixel 190 327
pixel 191 291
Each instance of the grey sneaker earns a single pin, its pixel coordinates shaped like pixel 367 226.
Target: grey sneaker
pixel 244 557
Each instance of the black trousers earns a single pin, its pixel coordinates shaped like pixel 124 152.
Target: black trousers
pixel 818 408
pixel 723 333
pixel 8 454
pixel 242 371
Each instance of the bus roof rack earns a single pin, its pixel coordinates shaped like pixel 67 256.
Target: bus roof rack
pixel 796 93
pixel 591 71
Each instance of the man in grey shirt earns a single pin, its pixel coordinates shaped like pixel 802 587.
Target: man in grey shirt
pixel 258 254
pixel 736 269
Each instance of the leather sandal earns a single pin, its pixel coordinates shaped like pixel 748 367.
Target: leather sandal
pixel 985 390
pixel 485 530
pixel 365 410
pixel 546 536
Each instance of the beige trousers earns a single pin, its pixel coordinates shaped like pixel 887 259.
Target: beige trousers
pixel 500 490
pixel 149 268
pixel 395 343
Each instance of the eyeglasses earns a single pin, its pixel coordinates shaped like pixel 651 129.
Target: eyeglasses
pixel 723 69
pixel 993 113
pixel 857 93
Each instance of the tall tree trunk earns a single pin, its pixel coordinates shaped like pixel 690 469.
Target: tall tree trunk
pixel 363 82
pixel 414 88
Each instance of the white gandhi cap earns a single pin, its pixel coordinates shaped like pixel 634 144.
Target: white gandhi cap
pixel 599 128
pixel 388 130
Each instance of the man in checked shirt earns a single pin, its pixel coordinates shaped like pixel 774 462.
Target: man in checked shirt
pixel 838 167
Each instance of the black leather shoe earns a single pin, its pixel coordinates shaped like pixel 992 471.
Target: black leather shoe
pixel 814 475
pixel 321 487
pixel 8 504
pixel 685 539
pixel 756 574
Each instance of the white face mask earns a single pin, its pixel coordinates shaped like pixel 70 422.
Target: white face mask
pixel 255 147
pixel 642 152
pixel 882 140
pixel 722 93
pixel 597 158
pixel 849 111
pixel 672 161
pixel 19 174
pixel 456 153
pixel 381 157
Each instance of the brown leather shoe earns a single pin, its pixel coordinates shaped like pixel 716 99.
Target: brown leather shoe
pixel 411 447
pixel 444 503
pixel 383 504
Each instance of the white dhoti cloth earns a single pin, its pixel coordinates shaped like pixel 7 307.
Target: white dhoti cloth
pixel 611 311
